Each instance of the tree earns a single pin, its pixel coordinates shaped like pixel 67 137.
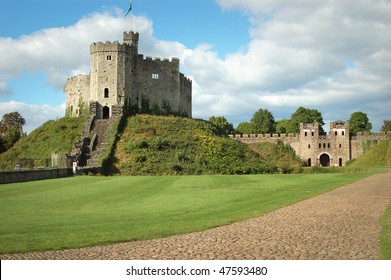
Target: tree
pixel 386 126
pixel 244 128
pixel 263 122
pixel 285 126
pixel 359 122
pixel 305 115
pixel 11 130
pixel 222 124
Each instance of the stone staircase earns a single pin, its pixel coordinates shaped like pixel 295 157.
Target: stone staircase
pixel 92 144
pixel 97 145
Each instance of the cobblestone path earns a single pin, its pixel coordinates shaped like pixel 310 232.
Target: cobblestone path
pixel 341 224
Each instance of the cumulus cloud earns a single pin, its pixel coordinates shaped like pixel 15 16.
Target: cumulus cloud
pixel 331 55
pixel 64 51
pixel 35 115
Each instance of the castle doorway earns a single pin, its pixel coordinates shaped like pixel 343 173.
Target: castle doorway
pixel 340 162
pixel 105 112
pixel 309 162
pixel 324 160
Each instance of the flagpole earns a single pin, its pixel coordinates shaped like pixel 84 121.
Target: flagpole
pixel 130 11
pixel 131 16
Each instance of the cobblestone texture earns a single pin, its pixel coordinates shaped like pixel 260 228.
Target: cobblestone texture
pixel 342 224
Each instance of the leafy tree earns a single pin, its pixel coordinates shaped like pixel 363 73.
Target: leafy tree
pixel 386 126
pixel 285 126
pixel 11 130
pixel 222 124
pixel 305 115
pixel 359 122
pixel 263 122
pixel 244 128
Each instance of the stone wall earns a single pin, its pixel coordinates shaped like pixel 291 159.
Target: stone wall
pixel 357 141
pixel 32 175
pixel 78 94
pixel 338 145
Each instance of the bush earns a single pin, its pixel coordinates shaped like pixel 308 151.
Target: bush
pixel 182 146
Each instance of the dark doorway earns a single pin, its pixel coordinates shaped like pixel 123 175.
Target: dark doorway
pixel 325 160
pixel 106 112
pixel 309 162
pixel 340 161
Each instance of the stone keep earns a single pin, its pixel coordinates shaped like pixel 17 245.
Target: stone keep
pixel 121 81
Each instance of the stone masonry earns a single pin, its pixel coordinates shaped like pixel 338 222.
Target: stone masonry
pixel 315 149
pixel 121 79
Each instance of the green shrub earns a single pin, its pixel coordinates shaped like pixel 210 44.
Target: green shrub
pixel 175 145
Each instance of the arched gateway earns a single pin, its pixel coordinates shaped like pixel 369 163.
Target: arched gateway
pixel 106 112
pixel 324 160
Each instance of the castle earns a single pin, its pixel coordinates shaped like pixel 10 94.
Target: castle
pixel 122 81
pixel 315 149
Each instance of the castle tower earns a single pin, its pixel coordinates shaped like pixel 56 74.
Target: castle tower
pixel 309 141
pixel 131 38
pixel 340 136
pixel 121 82
pixel 109 83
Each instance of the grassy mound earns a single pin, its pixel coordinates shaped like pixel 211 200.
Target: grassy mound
pixel 279 154
pixel 154 145
pixel 378 155
pixel 52 137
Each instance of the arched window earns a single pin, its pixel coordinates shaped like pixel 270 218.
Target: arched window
pixel 106 93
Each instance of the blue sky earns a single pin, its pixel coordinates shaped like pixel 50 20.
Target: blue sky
pixel 242 55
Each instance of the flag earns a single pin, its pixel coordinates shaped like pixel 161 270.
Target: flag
pixel 130 8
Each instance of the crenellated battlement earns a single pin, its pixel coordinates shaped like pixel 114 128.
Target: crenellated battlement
pixel 78 78
pixel 165 61
pixel 363 136
pixel 109 47
pixel 258 138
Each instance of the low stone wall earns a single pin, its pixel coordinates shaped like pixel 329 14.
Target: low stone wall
pixel 33 174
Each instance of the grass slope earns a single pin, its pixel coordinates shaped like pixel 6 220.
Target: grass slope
pixel 51 137
pixel 280 154
pixel 155 145
pixel 84 211
pixel 378 155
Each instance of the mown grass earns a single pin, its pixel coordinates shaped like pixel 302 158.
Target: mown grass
pixel 84 211
pixel 385 238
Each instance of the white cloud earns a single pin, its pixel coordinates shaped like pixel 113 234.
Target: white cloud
pixel 35 115
pixel 64 52
pixel 331 55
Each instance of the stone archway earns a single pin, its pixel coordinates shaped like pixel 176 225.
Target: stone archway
pixel 309 162
pixel 324 160
pixel 105 112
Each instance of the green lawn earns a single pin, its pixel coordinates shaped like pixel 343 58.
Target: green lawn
pixel 84 211
pixel 385 237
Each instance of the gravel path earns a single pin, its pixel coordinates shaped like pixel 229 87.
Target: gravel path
pixel 341 224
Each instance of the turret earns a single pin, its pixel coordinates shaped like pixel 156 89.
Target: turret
pixel 131 38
